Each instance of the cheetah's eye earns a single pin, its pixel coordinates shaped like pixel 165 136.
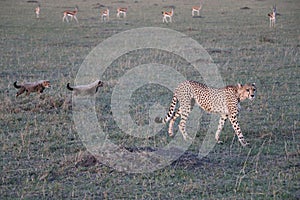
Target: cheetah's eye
pixel 247 90
pixel 254 90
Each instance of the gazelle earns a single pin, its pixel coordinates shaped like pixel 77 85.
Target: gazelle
pixel 122 11
pixel 196 9
pixel 71 14
pixel 105 15
pixel 37 11
pixel 167 15
pixel 272 17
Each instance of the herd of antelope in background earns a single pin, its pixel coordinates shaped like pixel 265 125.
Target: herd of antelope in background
pixel 92 88
pixel 122 12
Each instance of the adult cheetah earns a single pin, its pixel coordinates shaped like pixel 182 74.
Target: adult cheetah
pixel 224 101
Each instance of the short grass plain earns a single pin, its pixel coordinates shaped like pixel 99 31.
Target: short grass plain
pixel 42 154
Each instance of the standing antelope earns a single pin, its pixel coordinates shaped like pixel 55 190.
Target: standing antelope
pixel 105 15
pixel 272 17
pixel 167 15
pixel 71 14
pixel 37 11
pixel 196 9
pixel 122 11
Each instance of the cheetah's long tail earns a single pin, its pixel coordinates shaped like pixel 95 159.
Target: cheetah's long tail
pixel 69 87
pixel 16 86
pixel 170 114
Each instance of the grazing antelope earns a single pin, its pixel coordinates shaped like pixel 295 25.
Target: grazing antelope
pixel 122 11
pixel 167 15
pixel 71 14
pixel 29 87
pixel 105 15
pixel 272 17
pixel 37 11
pixel 89 89
pixel 196 9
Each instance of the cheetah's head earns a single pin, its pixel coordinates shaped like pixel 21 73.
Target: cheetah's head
pixel 46 83
pixel 246 91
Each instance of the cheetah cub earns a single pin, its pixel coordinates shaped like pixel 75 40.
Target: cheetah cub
pixel 89 89
pixel 28 87
pixel 224 101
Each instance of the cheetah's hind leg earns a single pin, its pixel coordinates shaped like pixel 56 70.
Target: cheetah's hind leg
pixel 183 113
pixel 222 121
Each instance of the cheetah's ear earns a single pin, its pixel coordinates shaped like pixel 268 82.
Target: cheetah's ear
pixel 253 84
pixel 240 85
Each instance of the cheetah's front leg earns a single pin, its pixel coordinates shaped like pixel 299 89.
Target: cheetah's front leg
pixel 237 129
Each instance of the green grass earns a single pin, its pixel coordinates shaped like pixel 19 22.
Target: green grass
pixel 43 156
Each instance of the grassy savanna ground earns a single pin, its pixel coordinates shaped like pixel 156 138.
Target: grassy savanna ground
pixel 43 156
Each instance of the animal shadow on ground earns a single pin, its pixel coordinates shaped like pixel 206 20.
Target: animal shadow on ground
pixel 198 17
pixel 192 161
pixel 188 160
